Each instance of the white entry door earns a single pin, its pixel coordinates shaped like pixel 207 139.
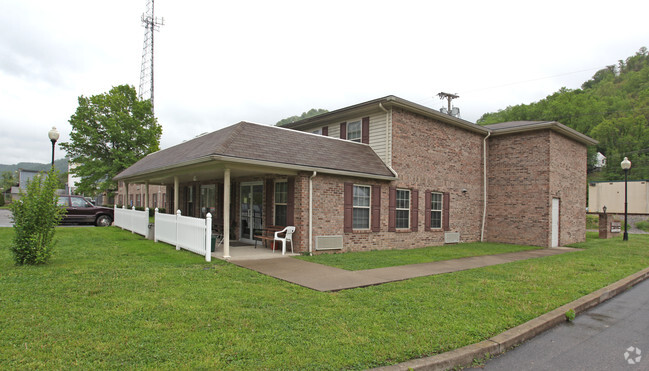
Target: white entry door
pixel 555 222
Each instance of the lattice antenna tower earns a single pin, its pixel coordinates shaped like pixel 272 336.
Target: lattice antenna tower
pixel 151 25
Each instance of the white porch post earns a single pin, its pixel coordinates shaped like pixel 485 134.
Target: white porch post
pixel 176 185
pixel 226 214
pixel 146 186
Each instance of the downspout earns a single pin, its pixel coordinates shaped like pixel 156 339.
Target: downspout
pixel 484 190
pixel 311 212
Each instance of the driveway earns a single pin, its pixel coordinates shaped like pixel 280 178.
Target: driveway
pixel 5 218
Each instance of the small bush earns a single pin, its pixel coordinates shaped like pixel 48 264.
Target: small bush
pixel 2 199
pixel 35 215
pixel 644 225
pixel 592 221
pixel 570 315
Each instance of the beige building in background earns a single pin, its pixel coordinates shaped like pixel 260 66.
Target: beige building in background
pixel 611 195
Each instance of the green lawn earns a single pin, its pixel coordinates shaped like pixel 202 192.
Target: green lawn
pixel 110 299
pixel 388 258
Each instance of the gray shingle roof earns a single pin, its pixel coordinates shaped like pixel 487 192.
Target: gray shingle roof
pixel 276 146
pixel 512 127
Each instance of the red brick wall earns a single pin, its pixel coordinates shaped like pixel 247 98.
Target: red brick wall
pixel 568 168
pixel 428 156
pixel 518 187
pixel 525 172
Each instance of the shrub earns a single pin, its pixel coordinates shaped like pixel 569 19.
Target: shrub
pixel 592 221
pixel 644 225
pixel 2 199
pixel 570 315
pixel 35 215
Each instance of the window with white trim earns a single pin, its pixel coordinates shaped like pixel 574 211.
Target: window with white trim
pixel 281 196
pixel 361 207
pixel 436 210
pixel 354 131
pixel 403 209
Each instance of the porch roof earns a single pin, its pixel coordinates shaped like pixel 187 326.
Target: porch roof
pixel 261 145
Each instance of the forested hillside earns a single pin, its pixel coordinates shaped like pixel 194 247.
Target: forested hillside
pixel 612 107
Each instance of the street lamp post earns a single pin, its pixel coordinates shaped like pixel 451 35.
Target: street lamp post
pixel 626 165
pixel 54 136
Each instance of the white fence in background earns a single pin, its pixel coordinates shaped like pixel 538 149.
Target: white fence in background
pixel 132 220
pixel 192 234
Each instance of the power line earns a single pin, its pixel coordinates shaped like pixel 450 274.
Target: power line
pixel 531 80
pixel 423 101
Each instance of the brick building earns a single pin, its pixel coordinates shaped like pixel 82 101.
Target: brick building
pixel 383 174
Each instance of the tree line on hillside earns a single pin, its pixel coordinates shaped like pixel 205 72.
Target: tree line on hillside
pixel 310 113
pixel 612 107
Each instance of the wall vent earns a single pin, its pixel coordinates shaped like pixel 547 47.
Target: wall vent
pixel 329 243
pixel 452 237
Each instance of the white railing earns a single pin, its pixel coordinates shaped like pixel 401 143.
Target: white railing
pixel 132 220
pixel 192 234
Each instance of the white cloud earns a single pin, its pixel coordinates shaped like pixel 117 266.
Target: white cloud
pixel 218 63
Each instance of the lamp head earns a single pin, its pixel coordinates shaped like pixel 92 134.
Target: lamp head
pixel 626 164
pixel 53 134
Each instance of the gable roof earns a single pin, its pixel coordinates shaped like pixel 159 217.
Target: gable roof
pixel 387 102
pixel 257 144
pixel 513 127
pixel 391 101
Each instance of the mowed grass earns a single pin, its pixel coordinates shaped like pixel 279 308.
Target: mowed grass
pixel 389 258
pixel 110 299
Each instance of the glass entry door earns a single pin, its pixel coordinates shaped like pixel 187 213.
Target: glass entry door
pixel 208 200
pixel 251 205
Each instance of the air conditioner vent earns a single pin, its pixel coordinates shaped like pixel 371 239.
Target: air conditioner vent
pixel 329 242
pixel 452 237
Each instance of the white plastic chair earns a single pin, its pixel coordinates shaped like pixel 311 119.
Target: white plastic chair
pixel 287 237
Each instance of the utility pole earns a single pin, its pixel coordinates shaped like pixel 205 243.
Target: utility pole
pixel 151 24
pixel 449 97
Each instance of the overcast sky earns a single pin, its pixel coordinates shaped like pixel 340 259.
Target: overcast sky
pixel 221 62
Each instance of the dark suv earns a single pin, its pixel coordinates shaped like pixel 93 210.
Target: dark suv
pixel 78 210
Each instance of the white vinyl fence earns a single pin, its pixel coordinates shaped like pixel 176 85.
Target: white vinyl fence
pixel 192 234
pixel 132 220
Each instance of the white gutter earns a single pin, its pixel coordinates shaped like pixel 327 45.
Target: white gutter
pixel 484 190
pixel 311 212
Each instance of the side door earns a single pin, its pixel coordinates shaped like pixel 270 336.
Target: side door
pixel 82 210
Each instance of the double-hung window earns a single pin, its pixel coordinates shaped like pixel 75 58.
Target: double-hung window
pixel 436 210
pixel 281 196
pixel 403 209
pixel 354 131
pixel 361 207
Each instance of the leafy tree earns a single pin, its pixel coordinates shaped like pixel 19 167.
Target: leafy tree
pixel 612 107
pixel 310 113
pixel 35 215
pixel 110 132
pixel 8 179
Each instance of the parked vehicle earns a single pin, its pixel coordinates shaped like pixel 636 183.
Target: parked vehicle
pixel 78 211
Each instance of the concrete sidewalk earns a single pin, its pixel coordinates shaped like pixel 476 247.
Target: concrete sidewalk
pixel 324 278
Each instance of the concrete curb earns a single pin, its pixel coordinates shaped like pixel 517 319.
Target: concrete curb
pixel 463 357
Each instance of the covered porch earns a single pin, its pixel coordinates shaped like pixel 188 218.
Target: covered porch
pixel 243 199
